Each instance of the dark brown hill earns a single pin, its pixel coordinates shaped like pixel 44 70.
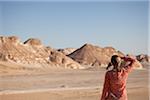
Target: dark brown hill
pixel 92 55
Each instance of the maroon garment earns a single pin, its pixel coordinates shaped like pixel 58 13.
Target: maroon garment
pixel 115 83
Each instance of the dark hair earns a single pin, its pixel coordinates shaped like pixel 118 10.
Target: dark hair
pixel 108 66
pixel 115 62
pixel 114 59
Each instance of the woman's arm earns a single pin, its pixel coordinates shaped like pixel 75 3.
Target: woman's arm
pixel 131 61
pixel 105 87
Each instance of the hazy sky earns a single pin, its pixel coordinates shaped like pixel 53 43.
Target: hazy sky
pixel 123 25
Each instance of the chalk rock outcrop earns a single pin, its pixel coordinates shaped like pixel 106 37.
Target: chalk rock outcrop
pixel 143 58
pixel 33 52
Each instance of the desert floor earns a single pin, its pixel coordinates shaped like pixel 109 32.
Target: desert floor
pixel 19 83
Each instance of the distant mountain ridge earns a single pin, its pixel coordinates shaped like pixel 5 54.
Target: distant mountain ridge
pixel 33 52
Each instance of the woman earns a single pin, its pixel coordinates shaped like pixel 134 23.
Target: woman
pixel 115 79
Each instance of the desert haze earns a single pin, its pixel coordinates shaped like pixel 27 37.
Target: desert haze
pixel 31 71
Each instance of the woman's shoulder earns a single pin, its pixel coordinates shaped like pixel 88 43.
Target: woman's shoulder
pixel 109 71
pixel 112 71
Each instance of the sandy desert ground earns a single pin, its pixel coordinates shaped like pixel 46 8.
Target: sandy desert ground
pixel 20 83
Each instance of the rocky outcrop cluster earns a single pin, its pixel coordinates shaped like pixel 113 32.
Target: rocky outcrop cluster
pixel 33 52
